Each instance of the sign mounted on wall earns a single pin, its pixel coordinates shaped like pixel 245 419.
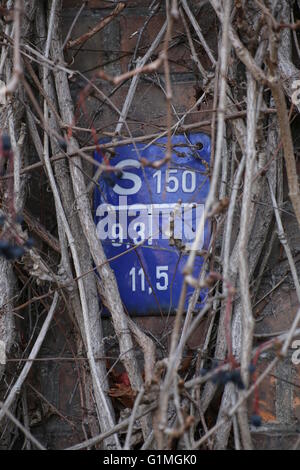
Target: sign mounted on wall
pixel 147 218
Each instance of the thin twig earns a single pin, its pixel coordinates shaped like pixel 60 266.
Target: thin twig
pixel 33 353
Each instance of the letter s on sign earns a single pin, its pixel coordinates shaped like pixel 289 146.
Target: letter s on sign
pixel 296 354
pixel 136 180
pixel 296 94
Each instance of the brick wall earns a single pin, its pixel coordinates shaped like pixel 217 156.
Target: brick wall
pixel 112 50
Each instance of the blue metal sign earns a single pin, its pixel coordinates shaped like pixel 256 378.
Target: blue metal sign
pixel 147 217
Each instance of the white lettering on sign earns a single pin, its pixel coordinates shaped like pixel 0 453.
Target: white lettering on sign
pixel 162 277
pixel 173 183
pixel 139 222
pixel 175 180
pixel 135 179
pixel 147 222
pixel 138 279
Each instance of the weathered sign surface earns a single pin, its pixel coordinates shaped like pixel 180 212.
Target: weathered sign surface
pixel 147 217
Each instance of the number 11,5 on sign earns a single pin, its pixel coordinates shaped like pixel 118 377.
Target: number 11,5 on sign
pixel 156 212
pixel 162 278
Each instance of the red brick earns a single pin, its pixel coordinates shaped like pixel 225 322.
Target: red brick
pixel 147 113
pixel 284 305
pixel 275 440
pixel 279 393
pixel 179 55
pixel 296 393
pixel 99 50
pixel 161 328
pixel 266 394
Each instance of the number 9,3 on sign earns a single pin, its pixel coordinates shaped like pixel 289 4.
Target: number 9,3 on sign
pixel 147 218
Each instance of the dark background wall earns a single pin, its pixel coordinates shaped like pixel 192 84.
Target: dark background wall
pixel 58 422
